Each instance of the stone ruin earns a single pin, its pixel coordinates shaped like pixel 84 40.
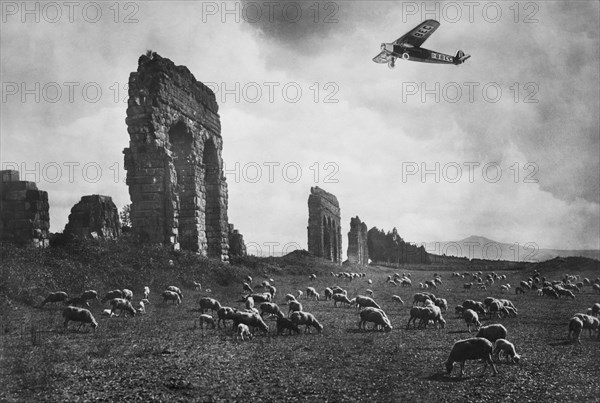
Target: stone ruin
pixel 358 250
pixel 324 228
pixel 390 248
pixel 94 217
pixel 237 247
pixel 24 211
pixel 173 162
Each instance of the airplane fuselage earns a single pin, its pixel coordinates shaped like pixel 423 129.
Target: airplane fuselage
pixel 420 54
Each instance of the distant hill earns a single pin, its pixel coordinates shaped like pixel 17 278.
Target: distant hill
pixel 478 247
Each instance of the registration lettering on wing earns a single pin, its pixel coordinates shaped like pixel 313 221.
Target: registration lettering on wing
pixel 422 31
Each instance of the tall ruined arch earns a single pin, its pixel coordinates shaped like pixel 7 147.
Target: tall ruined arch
pixel 334 241
pixel 174 166
pixel 324 230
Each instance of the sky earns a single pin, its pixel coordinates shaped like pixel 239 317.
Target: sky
pixel 505 146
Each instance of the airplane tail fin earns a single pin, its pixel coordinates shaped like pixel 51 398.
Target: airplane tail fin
pixel 461 56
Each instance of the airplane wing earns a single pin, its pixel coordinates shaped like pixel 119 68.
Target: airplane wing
pixel 382 57
pixel 419 34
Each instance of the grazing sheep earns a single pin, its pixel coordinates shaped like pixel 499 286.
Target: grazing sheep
pixel 442 303
pixel 284 323
pixel 589 322
pixel 243 331
pixel 89 294
pixel 549 292
pixel 328 294
pixel 141 307
pixel 467 286
pixel 430 284
pixel 595 309
pixel 123 305
pixel 289 297
pixel 308 319
pixel 342 298
pixel 299 293
pixel 72 313
pixel 509 310
pixel 397 299
pixel 339 290
pixel 207 303
pixel 492 332
pixel 420 298
pixel 406 282
pixel 564 292
pixel 249 303
pixel 311 292
pixel 375 315
pixel 146 292
pixel 294 306
pixel 416 312
pixel 78 301
pixel 272 290
pixel 127 294
pixel 575 327
pixel 258 298
pixel 59 296
pixel 495 308
pixel 270 308
pixel 177 290
pixel 434 314
pixel 251 320
pixel 206 319
pixel 471 318
pixel 312 277
pixel 112 295
pixel 225 313
pixel 471 349
pixel 503 288
pixel 247 287
pixel 171 296
pixel 475 306
pixel 361 302
pixel 596 288
pixel 506 347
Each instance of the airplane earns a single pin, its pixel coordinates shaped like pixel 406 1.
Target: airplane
pixel 408 47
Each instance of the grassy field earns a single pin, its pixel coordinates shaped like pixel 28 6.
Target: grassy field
pixel 164 355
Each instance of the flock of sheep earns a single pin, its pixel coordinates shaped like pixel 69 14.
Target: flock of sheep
pixel 489 343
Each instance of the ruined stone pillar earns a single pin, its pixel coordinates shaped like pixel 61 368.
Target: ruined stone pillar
pixel 358 251
pixel 174 165
pixel 324 229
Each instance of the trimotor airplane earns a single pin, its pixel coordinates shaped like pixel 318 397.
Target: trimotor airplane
pixel 408 47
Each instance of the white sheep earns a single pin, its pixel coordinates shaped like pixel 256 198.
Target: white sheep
pixel 289 297
pixel 243 331
pixel 53 297
pixel 471 349
pixel 141 307
pixel 171 296
pixel 471 318
pixel 397 299
pixel 127 294
pixel 361 302
pixel 123 305
pixel 270 308
pixel 207 303
pixel 294 306
pixel 375 315
pixel 416 312
pixel 575 327
pixel 492 332
pixel 340 298
pixel 146 292
pixel 112 295
pixel 177 290
pixel 89 294
pixel 72 313
pixel 225 313
pixel 506 347
pixel 311 292
pixel 251 320
pixel 206 319
pixel 249 303
pixel 308 319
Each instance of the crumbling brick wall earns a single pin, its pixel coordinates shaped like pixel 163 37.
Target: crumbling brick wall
pixel 358 250
pixel 174 164
pixel 24 211
pixel 94 216
pixel 324 228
